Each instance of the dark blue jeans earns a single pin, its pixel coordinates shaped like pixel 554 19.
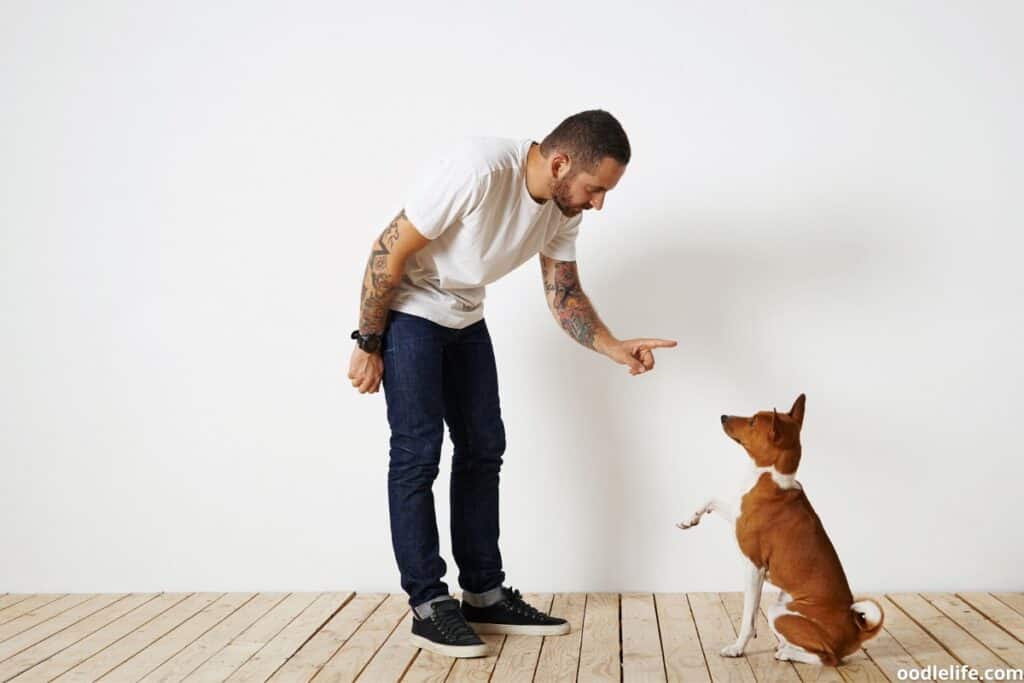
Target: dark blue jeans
pixel 435 375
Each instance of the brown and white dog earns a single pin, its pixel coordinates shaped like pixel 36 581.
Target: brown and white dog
pixel 815 618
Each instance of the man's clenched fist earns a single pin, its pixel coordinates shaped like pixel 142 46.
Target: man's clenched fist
pixel 365 370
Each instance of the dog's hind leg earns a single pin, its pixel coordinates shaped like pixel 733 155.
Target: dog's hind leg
pixel 792 653
pixel 751 603
pixel 776 609
pixel 802 640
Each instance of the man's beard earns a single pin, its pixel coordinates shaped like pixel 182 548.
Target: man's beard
pixel 560 194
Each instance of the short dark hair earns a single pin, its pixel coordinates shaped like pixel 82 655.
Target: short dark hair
pixel 588 137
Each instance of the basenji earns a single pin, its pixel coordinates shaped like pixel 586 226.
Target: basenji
pixel 815 618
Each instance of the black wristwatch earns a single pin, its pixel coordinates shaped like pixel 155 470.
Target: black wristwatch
pixel 367 342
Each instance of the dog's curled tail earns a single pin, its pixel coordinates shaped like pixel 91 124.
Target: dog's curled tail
pixel 869 616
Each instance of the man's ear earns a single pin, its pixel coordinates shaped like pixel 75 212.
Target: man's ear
pixel 797 411
pixel 560 165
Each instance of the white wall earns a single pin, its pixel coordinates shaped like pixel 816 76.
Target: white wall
pixel 823 198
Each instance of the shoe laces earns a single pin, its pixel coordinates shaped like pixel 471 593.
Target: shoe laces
pixel 449 620
pixel 515 602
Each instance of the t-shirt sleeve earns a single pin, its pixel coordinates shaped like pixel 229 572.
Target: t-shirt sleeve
pixel 562 245
pixel 444 190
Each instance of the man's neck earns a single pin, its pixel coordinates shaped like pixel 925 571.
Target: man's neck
pixel 536 175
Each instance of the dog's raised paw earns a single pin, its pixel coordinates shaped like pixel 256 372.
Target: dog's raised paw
pixel 734 650
pixel 691 522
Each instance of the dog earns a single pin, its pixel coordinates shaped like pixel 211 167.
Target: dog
pixel 816 618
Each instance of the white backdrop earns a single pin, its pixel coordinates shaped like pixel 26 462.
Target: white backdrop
pixel 823 198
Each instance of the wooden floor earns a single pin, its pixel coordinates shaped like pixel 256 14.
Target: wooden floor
pixel 347 636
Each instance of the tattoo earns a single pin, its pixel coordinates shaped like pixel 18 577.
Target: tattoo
pixel 568 302
pixel 378 286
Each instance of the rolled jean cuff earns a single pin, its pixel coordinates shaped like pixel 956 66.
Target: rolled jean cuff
pixel 485 599
pixel 423 609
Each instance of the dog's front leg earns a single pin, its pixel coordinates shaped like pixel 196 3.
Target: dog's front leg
pixel 751 603
pixel 713 505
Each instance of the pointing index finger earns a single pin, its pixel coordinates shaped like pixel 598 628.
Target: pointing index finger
pixel 655 343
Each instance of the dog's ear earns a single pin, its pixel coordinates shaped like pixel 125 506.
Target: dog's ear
pixel 797 411
pixel 773 431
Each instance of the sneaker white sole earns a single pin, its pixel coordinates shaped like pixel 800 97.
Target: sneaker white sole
pixel 520 630
pixel 458 651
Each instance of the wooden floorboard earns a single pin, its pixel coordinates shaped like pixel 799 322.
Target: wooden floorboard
pixel 519 654
pixel 680 643
pixel 642 659
pixel 560 656
pixel 960 643
pixel 345 636
pixel 600 649
pixel 760 651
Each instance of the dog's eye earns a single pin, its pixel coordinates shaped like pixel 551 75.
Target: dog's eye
pixel 752 420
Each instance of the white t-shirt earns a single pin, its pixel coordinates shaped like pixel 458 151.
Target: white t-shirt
pixel 472 202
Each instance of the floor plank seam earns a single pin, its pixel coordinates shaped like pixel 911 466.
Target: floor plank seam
pixel 879 666
pixel 54 634
pixel 622 656
pixel 351 597
pixel 579 650
pixel 142 625
pixel 923 628
pixel 964 629
pixel 244 628
pixel 1008 604
pixel 497 657
pixel 409 665
pixel 7 621
pixel 661 640
pixel 175 654
pixel 383 641
pixel 990 619
pixel 700 641
pixel 540 650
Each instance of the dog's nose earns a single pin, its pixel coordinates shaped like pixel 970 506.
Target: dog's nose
pixel 724 418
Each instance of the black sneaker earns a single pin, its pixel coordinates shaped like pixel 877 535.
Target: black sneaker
pixel 513 616
pixel 446 632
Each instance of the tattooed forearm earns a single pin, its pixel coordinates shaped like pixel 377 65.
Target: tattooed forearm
pixel 378 282
pixel 569 303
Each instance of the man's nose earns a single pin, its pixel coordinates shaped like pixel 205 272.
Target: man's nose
pixel 724 418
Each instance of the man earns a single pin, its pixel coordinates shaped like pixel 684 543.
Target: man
pixel 483 208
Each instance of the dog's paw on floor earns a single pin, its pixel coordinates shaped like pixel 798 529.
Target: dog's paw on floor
pixel 734 650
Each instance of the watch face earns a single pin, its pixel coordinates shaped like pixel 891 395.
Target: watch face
pixel 371 344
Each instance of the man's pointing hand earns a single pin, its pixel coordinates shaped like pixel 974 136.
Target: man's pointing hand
pixel 636 353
